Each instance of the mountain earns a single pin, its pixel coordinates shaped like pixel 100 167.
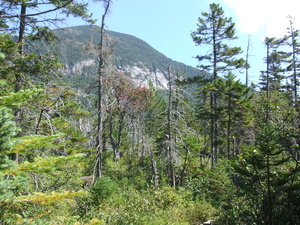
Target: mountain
pixel 78 47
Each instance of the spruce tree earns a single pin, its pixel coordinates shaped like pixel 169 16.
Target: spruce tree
pixel 35 23
pixel 215 30
pixel 267 178
pixel 292 41
pixel 292 69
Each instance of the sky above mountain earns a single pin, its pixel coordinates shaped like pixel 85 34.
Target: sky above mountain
pixel 167 24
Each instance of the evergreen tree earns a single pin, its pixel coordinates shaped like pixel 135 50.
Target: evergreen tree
pixel 35 25
pixel 232 112
pixel 292 41
pixel 154 134
pixel 236 98
pixel 272 78
pixel 293 66
pixel 47 135
pixel 214 30
pixel 9 185
pixel 267 174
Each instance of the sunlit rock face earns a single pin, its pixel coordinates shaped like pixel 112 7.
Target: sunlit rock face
pixel 143 76
pixel 79 52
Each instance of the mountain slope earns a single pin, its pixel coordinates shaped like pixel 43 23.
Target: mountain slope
pixel 130 55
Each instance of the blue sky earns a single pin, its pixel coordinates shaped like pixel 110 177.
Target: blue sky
pixel 166 24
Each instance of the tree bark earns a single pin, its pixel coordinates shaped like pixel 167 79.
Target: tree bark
pixel 247 61
pixel 295 86
pixel 154 168
pixel 229 127
pixel 169 136
pixel 99 141
pixel 267 80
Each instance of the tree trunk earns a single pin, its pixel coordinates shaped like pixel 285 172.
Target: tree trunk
pixel 18 76
pixel 295 85
pixel 169 136
pixel 116 142
pixel 213 103
pixel 269 206
pixel 99 141
pixel 247 62
pixel 229 127
pixel 154 168
pixel 267 84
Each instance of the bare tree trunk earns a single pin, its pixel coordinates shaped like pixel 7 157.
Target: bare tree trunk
pixel 268 83
pixel 154 168
pixel 294 64
pixel 295 86
pixel 247 62
pixel 116 142
pixel 99 148
pixel 170 150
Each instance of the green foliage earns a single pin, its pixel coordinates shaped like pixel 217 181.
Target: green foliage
pixel 40 19
pixel 268 171
pixel 43 208
pixel 7 129
pixel 231 114
pixel 214 29
pixel 164 206
pixel 273 77
pixel 37 177
pixel 16 99
pixel 213 185
pixel 45 166
pixel 26 144
pixel 10 183
pixel 103 188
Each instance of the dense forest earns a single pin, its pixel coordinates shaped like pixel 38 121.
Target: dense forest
pixel 207 148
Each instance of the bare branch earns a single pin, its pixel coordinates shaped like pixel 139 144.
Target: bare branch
pixel 37 14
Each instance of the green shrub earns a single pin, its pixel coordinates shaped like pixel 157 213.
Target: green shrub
pixel 104 187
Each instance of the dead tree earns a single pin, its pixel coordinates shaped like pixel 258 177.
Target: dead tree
pixel 101 67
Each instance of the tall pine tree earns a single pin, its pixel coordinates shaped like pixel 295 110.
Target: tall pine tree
pixel 215 30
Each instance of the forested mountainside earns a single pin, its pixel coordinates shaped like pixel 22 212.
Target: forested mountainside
pixel 128 54
pixel 82 142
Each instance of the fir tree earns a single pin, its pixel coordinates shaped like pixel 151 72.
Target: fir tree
pixel 214 30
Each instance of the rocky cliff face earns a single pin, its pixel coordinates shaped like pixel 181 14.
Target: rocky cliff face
pixel 129 54
pixel 140 74
pixel 78 68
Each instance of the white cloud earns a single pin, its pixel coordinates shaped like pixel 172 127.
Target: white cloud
pixel 269 16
